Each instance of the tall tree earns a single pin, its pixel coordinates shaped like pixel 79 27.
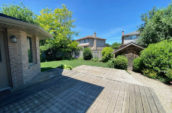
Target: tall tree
pixel 20 12
pixel 59 23
pixel 157 26
pixel 116 45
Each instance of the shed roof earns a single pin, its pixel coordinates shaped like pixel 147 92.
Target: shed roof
pixel 12 22
pixel 127 45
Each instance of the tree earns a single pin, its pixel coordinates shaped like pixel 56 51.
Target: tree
pixel 59 23
pixel 107 45
pixel 107 54
pixel 87 54
pixel 20 12
pixel 157 26
pixel 116 45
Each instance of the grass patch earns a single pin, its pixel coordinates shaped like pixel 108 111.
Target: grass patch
pixel 74 63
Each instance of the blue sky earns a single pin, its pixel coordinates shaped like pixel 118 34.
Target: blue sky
pixel 105 17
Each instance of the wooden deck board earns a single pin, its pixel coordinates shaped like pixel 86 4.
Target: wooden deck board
pixel 139 105
pixel 150 100
pixel 157 102
pixel 121 97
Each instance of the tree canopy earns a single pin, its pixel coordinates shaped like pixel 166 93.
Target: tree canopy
pixel 157 26
pixel 116 45
pixel 20 12
pixel 59 23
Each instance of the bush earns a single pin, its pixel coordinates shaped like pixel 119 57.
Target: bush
pixel 62 66
pixel 95 59
pixel 121 62
pixel 111 63
pixel 107 54
pixel 87 54
pixel 149 73
pixel 137 64
pixel 169 74
pixel 158 57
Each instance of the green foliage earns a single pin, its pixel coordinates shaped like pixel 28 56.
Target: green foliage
pixel 59 23
pixel 95 59
pixel 107 54
pixel 107 45
pixel 87 54
pixel 20 12
pixel 158 57
pixel 111 63
pixel 116 45
pixel 121 62
pixel 156 60
pixel 137 64
pixel 150 73
pixel 157 26
pixel 63 66
pixel 169 74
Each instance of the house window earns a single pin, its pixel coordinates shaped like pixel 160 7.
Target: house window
pixel 30 53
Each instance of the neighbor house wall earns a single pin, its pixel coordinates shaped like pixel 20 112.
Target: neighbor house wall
pixel 21 70
pixel 100 43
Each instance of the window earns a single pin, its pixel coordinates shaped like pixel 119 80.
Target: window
pixel 30 54
pixel 131 37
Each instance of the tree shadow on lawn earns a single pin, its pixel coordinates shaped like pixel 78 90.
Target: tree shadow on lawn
pixel 59 94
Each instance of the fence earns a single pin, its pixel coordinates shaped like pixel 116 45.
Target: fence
pixel 96 54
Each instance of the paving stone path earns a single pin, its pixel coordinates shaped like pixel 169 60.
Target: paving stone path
pixel 85 89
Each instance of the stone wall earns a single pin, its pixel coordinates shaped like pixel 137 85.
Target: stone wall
pixel 21 70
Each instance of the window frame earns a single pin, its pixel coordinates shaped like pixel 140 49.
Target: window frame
pixel 30 58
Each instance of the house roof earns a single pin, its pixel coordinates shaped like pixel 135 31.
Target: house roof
pixel 132 33
pixel 90 37
pixel 127 45
pixel 12 22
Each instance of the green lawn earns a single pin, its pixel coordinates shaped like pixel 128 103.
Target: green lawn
pixel 74 63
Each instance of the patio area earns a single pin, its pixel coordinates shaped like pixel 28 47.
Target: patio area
pixel 85 89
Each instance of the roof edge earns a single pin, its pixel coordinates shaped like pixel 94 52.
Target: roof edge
pixel 24 26
pixel 127 46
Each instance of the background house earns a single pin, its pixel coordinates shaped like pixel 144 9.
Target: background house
pixel 129 47
pixel 95 43
pixel 19 51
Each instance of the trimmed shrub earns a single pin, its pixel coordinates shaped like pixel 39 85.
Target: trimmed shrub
pixel 149 73
pixel 137 64
pixel 158 57
pixel 111 63
pixel 121 62
pixel 169 74
pixel 87 54
pixel 107 54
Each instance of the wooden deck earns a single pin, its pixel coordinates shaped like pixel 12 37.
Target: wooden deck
pixel 121 97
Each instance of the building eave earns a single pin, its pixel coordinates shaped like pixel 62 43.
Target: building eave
pixel 27 27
